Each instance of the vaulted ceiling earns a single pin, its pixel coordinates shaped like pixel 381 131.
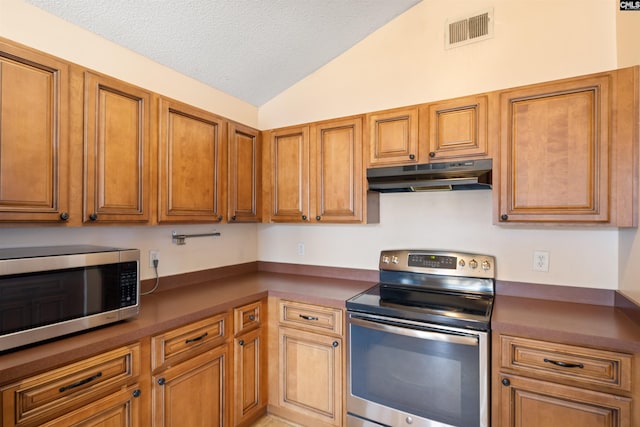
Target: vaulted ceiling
pixel 251 49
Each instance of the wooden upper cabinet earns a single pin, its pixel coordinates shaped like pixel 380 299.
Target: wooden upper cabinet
pixel 244 182
pixel 562 157
pixel 116 140
pixel 34 133
pixel 393 137
pixel 191 164
pixel 288 177
pixel 456 128
pixel 336 164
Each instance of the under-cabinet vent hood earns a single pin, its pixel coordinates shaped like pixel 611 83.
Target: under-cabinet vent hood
pixel 461 175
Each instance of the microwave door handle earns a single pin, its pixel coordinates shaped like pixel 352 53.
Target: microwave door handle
pixel 416 333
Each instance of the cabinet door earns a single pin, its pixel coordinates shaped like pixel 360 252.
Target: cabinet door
pixel 393 137
pixel 192 393
pixel 34 122
pixel 245 174
pixel 310 371
pixel 121 409
pixel 555 152
pixel 457 128
pixel 249 377
pixel 191 165
pixel 116 140
pixel 288 160
pixel 336 159
pixel 531 403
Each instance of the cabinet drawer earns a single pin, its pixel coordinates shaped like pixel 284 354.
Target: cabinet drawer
pixel 311 317
pixel 184 342
pixel 48 395
pixel 247 317
pixel 575 364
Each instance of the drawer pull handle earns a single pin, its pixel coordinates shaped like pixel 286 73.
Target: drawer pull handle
pixel 305 317
pixel 564 364
pixel 190 340
pixel 252 317
pixel 81 382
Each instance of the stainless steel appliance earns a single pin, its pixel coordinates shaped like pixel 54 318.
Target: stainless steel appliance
pixel 49 291
pixel 418 342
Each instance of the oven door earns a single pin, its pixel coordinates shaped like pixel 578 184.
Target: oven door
pixel 403 373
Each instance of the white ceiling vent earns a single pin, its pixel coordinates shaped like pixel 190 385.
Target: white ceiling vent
pixel 469 29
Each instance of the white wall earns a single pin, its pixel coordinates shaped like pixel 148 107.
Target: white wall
pixel 405 63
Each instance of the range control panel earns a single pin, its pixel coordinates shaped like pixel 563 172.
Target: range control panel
pixel 438 262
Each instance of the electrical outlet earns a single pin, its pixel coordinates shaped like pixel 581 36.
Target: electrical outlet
pixel 300 249
pixel 154 255
pixel 541 261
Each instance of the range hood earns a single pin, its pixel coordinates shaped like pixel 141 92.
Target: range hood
pixel 460 175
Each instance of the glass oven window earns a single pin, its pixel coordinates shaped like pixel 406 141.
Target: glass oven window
pixel 432 379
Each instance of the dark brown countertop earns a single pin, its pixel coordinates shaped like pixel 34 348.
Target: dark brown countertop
pixel 602 326
pixel 176 307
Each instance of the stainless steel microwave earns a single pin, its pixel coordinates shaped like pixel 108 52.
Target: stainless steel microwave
pixel 50 291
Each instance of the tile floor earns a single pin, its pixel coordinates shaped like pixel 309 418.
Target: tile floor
pixel 273 421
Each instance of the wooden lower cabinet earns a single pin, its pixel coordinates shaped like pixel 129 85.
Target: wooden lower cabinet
pixel 527 402
pixel 249 364
pixel 537 383
pixel 192 393
pixel 306 383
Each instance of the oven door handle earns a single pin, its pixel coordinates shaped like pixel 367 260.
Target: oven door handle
pixel 416 333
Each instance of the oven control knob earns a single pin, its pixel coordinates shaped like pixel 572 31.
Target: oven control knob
pixel 385 259
pixel 461 263
pixel 409 420
pixel 394 259
pixel 473 263
pixel 485 265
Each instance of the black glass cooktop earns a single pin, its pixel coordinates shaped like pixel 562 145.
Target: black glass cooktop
pixel 457 309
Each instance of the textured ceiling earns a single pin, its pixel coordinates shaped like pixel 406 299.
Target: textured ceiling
pixel 251 49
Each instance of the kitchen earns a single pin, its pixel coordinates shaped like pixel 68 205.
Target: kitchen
pixel 586 257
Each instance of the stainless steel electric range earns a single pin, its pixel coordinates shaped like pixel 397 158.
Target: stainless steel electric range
pixel 418 341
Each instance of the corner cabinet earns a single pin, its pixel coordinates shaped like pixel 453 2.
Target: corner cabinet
pixel 567 151
pixel 308 387
pixel 314 173
pixel 34 136
pixel 116 151
pixel 191 164
pixel 244 181
pixel 539 384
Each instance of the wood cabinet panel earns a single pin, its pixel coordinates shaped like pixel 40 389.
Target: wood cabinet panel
pixel 192 393
pixel 117 144
pixel 336 162
pixel 555 151
pixel 40 398
pixel 288 161
pixel 457 127
pixel 250 388
pixel 121 409
pixel 191 166
pixel 184 342
pixel 531 403
pixel 34 136
pixel 393 137
pixel 245 174
pixel 310 379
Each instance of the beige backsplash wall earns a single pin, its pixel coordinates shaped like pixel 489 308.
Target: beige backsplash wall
pixel 401 64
